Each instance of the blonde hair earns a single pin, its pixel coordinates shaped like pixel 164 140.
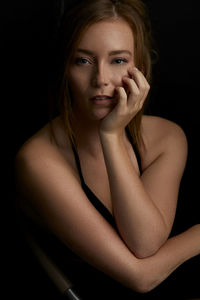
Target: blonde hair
pixel 75 23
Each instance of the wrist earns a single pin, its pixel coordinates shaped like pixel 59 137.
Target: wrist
pixel 112 135
pixel 113 138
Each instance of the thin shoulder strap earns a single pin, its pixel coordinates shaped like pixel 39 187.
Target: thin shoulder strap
pixel 137 154
pixel 78 164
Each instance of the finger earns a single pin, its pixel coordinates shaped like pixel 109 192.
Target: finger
pixel 122 96
pixel 139 79
pixel 136 96
pixel 141 82
pixel 131 88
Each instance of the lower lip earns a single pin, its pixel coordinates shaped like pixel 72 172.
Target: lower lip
pixel 103 101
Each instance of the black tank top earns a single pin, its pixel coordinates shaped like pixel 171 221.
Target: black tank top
pixel 94 284
pixel 85 277
pixel 91 196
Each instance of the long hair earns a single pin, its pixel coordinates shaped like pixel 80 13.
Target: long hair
pixel 75 23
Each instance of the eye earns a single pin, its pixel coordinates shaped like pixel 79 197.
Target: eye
pixel 119 61
pixel 82 61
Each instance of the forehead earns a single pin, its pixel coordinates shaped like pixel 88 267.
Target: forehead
pixel 108 35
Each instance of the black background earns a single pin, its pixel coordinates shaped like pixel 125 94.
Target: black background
pixel 27 36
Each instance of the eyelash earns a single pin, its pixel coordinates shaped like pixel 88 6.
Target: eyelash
pixel 79 61
pixel 123 60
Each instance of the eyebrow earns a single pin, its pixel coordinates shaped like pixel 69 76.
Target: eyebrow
pixel 115 52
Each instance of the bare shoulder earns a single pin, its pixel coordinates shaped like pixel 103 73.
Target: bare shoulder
pixel 160 128
pixel 45 172
pixel 42 154
pixel 162 136
pixel 49 142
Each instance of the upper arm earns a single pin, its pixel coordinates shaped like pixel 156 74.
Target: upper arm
pixel 163 174
pixel 53 189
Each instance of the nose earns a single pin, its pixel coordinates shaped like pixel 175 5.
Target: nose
pixel 100 76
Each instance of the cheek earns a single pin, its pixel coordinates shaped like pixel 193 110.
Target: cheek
pixel 78 82
pixel 119 74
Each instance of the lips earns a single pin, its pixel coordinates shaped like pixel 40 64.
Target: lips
pixel 101 98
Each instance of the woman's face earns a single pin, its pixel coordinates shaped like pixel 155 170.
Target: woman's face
pixel 103 56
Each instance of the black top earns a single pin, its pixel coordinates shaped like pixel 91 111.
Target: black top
pixel 91 283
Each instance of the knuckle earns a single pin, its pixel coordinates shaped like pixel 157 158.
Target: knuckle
pixel 137 92
pixel 145 87
pixel 148 86
pixel 122 92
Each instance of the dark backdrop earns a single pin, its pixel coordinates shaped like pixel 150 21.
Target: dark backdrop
pixel 27 38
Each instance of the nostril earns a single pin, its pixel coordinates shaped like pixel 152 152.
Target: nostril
pixel 99 80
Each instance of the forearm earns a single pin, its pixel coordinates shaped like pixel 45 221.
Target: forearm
pixel 171 255
pixel 138 219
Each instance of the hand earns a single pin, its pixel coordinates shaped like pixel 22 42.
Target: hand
pixel 130 99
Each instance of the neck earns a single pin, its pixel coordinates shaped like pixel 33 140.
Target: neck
pixel 87 135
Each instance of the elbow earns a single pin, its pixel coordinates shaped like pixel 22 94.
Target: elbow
pixel 145 286
pixel 148 247
pixel 146 279
pixel 144 252
pixel 144 283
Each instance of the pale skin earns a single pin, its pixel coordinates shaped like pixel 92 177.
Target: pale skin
pixel 140 256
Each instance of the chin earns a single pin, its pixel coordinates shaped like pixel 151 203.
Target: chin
pixel 100 114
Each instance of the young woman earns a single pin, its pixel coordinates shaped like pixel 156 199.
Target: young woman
pixel 99 184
